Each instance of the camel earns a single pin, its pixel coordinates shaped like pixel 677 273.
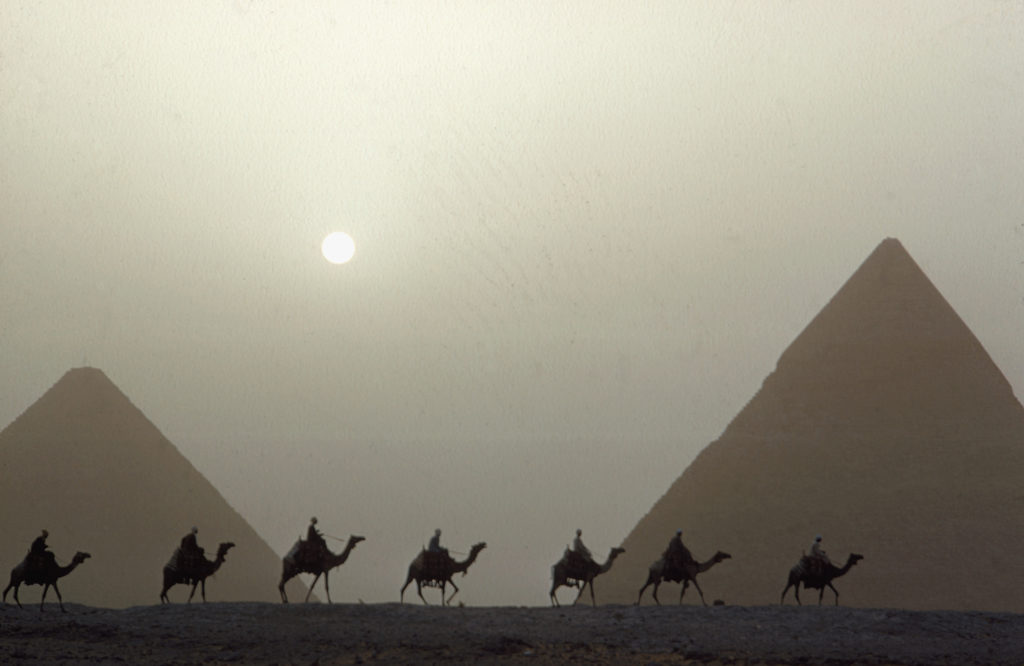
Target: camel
pixel 291 566
pixel 574 571
pixel 661 571
pixel 45 575
pixel 801 573
pixel 436 570
pixel 194 576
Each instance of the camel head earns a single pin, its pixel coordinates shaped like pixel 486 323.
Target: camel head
pixel 854 559
pixel 719 556
pixel 80 557
pixel 223 549
pixel 353 539
pixel 475 550
pixel 615 552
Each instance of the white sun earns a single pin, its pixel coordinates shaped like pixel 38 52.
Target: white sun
pixel 338 247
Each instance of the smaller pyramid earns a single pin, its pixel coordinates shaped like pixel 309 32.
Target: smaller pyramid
pixel 887 429
pixel 85 464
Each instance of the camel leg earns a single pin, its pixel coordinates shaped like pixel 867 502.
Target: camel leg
pixel 311 585
pixel 280 588
pixel 193 592
pixel 796 593
pixel 593 601
pixel 327 588
pixel 640 596
pixel 401 593
pixel 449 602
pixel 654 592
pixel 682 591
pixel 46 587
pixel 60 599
pixel 700 592
pixel 582 589
pixel 202 589
pixel 822 592
pixel 6 589
pixel 419 591
pixel 18 601
pixel 782 597
pixel 554 597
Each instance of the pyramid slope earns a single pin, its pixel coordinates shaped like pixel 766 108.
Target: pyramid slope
pixel 886 428
pixel 84 463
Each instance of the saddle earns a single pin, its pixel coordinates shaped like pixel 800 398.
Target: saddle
pixel 185 562
pixel 577 567
pixel 36 565
pixel 435 564
pixel 813 567
pixel 307 554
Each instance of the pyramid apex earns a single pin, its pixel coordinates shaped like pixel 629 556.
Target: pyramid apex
pixel 85 370
pixel 890 247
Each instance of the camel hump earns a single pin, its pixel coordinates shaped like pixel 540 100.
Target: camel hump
pixel 182 561
pixel 577 561
pixel 435 564
pixel 294 551
pixel 36 564
pixel 175 560
pixel 577 566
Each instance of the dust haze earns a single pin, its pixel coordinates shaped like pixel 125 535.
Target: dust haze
pixel 585 235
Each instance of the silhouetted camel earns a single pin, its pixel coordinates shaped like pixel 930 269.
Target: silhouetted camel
pixel 43 573
pixel 801 573
pixel 574 571
pixel 194 575
pixel 662 571
pixel 436 570
pixel 291 566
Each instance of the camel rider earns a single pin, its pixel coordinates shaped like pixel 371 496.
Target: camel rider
pixel 579 548
pixel 315 543
pixel 189 551
pixel 677 554
pixel 435 543
pixel 818 557
pixel 39 544
pixel 37 551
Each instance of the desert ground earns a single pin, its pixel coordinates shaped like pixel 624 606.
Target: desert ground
pixel 262 633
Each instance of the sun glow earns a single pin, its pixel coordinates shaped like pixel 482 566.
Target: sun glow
pixel 338 247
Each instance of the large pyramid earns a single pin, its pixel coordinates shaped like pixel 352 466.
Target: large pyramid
pixel 887 429
pixel 85 464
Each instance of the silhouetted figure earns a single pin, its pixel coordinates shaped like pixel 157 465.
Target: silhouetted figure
pixel 573 571
pixel 579 548
pixel 677 554
pixel 39 546
pixel 660 572
pixel 435 569
pixel 194 573
pixel 189 553
pixel 315 539
pixel 38 555
pixel 818 561
pixel 292 566
pixel 45 574
pixel 435 543
pixel 801 574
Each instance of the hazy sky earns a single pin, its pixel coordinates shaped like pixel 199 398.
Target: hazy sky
pixel 585 233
